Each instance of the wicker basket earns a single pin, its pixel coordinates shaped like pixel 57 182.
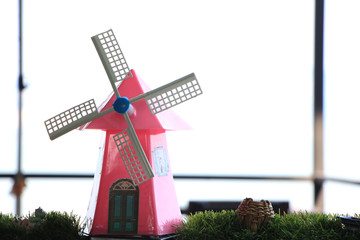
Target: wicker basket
pixel 255 214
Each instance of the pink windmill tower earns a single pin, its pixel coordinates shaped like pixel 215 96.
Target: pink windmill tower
pixel 133 191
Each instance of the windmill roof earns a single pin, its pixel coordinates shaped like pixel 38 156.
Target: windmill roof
pixel 142 119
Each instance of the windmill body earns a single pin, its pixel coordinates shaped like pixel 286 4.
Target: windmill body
pixel 116 205
pixel 133 190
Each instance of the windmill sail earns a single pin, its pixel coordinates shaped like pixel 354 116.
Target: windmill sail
pixel 133 157
pixel 111 56
pixel 73 118
pixel 171 94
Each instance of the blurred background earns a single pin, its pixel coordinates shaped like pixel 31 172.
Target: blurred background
pixel 254 128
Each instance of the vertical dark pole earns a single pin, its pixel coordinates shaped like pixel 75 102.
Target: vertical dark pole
pixel 318 105
pixel 19 176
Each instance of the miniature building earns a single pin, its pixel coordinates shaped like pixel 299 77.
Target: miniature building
pixel 117 206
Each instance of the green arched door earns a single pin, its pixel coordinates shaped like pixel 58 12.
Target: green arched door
pixel 123 207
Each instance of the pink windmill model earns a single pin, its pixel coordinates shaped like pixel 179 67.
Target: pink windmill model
pixel 133 192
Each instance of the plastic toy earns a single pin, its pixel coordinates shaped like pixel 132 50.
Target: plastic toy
pixel 128 197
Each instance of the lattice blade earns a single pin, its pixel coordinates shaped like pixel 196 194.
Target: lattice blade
pixel 71 119
pixel 111 56
pixel 173 94
pixel 133 157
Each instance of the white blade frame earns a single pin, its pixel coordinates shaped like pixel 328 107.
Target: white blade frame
pixel 73 118
pixel 133 155
pixel 171 94
pixel 111 57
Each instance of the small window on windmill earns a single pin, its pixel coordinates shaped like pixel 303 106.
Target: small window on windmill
pixel 160 161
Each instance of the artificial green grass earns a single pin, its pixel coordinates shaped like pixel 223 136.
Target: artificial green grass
pixel 301 225
pixel 206 225
pixel 53 226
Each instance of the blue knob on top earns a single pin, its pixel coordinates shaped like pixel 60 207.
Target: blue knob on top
pixel 121 104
